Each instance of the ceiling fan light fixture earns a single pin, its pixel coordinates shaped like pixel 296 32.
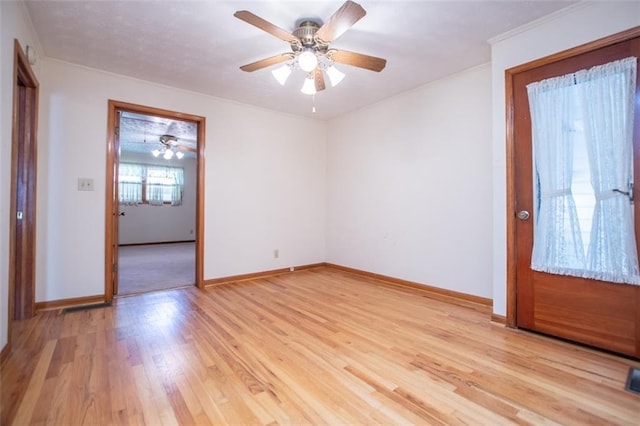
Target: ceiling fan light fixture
pixel 309 86
pixel 168 154
pixel 282 74
pixel 310 51
pixel 155 152
pixel 335 75
pixel 179 155
pixel 307 60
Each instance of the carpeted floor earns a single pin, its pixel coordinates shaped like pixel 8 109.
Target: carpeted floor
pixel 154 267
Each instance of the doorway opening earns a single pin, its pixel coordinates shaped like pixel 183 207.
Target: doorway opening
pixel 155 178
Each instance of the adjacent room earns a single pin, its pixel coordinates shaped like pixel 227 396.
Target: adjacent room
pixel 319 212
pixel 156 203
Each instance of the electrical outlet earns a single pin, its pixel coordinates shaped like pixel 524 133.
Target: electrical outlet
pixel 276 253
pixel 85 184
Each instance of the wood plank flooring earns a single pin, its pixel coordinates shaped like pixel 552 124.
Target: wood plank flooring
pixel 311 347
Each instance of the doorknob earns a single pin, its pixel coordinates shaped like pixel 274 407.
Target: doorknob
pixel 523 215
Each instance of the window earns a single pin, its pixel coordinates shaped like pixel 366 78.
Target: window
pixel 582 128
pixel 148 184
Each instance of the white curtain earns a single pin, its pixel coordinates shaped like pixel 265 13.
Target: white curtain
pixel 176 176
pixel 155 185
pixel 155 194
pixel 608 118
pixel 164 184
pixel 602 98
pixel 557 241
pixel 130 183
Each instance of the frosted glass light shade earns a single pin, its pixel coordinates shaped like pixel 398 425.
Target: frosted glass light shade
pixel 307 61
pixel 335 76
pixel 179 155
pixel 168 154
pixel 282 74
pixel 155 152
pixel 309 86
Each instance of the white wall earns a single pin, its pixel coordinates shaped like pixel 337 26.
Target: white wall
pixel 409 185
pixel 154 224
pixel 264 180
pixel 14 24
pixel 572 27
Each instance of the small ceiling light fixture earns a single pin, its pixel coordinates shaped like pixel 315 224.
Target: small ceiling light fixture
pixel 282 74
pixel 335 75
pixel 307 60
pixel 309 86
pixel 320 64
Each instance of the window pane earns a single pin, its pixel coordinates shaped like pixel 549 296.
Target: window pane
pixel 164 185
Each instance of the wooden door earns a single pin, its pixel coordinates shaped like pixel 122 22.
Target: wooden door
pixel 23 190
pixel 602 314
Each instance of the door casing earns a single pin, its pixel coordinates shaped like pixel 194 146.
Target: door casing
pixel 111 202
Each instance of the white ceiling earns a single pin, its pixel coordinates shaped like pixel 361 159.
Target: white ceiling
pixel 200 45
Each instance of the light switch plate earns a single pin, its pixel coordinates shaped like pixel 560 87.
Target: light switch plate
pixel 85 184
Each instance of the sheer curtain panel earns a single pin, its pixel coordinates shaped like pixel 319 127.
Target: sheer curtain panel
pixel 608 118
pixel 130 184
pixel 165 185
pixel 557 241
pixel 600 101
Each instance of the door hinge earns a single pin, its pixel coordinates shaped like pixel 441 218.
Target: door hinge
pixel 115 267
pixel 117 131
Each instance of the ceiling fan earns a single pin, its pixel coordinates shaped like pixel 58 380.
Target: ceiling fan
pixel 171 147
pixel 310 49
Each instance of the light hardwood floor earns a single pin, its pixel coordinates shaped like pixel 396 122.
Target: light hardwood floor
pixel 311 347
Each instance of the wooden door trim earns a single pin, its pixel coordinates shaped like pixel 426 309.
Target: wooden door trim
pixel 22 75
pixel 511 152
pixel 111 204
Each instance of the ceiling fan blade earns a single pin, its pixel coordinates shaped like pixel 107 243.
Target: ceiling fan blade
pixel 266 26
pixel 319 79
pixel 340 21
pixel 267 62
pixel 358 60
pixel 185 148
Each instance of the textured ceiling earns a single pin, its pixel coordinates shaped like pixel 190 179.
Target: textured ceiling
pixel 200 45
pixel 141 133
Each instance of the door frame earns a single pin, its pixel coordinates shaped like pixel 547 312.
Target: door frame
pixel 511 152
pixel 24 134
pixel 111 190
